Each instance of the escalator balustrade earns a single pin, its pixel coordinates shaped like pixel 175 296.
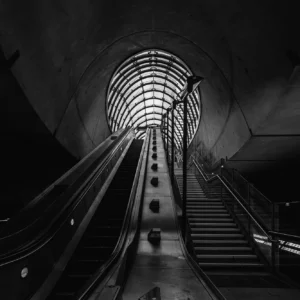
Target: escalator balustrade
pixel 103 232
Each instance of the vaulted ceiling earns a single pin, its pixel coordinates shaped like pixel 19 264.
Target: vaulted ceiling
pixel 142 90
pixel 247 51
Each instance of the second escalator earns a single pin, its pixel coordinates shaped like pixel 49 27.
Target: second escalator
pixel 103 232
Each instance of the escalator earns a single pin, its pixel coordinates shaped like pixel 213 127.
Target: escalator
pixel 116 256
pixel 102 233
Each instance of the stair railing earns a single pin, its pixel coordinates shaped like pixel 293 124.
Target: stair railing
pixel 250 226
pixel 279 250
pixel 277 216
pixel 188 237
pixel 212 178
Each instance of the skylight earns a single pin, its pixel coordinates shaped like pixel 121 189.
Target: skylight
pixel 144 86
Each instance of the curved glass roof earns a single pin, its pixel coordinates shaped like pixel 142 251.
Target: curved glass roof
pixel 142 89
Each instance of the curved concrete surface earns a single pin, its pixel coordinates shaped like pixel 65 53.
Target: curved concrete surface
pixel 247 51
pixel 164 265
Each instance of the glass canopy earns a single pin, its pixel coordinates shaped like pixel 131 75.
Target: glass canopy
pixel 142 89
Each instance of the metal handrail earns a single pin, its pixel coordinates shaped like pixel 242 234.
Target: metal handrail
pixel 268 233
pixel 4 220
pixel 285 235
pixel 38 206
pixel 245 209
pixel 253 187
pixel 284 202
pixel 69 205
pixel 266 198
pixel 240 175
pixel 124 240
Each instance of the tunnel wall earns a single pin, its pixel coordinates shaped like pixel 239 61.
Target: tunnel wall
pixel 31 157
pixel 70 49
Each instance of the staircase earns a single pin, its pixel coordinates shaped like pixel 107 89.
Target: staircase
pixel 222 250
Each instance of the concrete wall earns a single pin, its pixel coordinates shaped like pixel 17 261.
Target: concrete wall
pixel 31 158
pixel 247 52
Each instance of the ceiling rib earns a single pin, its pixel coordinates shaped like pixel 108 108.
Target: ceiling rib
pixel 142 89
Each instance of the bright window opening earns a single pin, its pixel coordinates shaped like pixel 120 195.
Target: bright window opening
pixel 142 89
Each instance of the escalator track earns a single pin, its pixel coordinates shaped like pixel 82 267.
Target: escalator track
pixel 103 232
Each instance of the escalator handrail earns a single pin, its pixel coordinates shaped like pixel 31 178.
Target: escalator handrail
pixel 124 242
pixel 38 205
pixel 132 238
pixel 59 217
pixel 133 241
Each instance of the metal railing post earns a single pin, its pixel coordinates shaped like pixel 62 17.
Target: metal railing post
pixel 184 167
pixel 173 145
pixel 275 249
pixel 273 245
pixel 221 185
pixel 164 132
pixel 167 116
pixel 249 203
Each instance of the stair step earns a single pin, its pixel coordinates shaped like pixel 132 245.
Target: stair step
pixel 206 198
pixel 230 266
pixel 213 225
pixel 215 230
pixel 214 236
pixel 200 203
pixel 219 243
pixel 229 258
pixel 199 209
pixel 204 202
pixel 202 199
pixel 206 207
pixel 210 220
pixel 195 196
pixel 221 250
pixel 208 215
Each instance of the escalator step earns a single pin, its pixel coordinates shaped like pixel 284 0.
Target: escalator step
pixel 85 267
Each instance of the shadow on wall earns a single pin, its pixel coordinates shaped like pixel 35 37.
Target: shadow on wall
pixel 31 157
pixel 199 149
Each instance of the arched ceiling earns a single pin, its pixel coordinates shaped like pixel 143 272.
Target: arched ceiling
pixel 142 89
pixel 247 51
